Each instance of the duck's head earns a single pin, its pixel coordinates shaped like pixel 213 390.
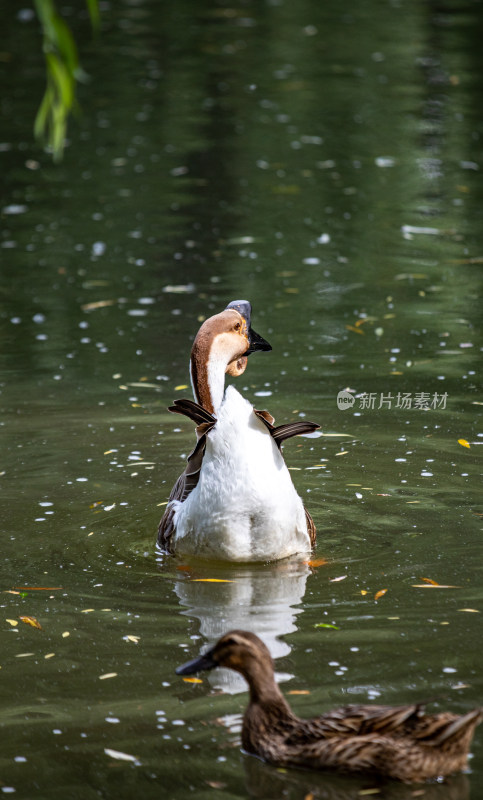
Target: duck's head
pixel 239 650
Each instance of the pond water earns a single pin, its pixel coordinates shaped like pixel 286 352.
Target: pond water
pixel 324 161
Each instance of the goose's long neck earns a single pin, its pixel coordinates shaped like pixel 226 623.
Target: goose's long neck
pixel 207 380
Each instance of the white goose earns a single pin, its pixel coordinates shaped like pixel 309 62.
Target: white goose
pixel 235 500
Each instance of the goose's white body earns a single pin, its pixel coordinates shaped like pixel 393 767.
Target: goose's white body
pixel 244 507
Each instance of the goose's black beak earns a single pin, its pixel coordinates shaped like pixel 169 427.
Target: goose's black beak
pixel 255 341
pixel 199 664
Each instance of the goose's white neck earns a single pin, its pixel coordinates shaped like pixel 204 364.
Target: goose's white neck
pixel 220 346
pixel 208 382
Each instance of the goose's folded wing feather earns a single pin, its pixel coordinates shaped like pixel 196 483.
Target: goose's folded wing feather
pixel 193 410
pixel 187 481
pixel 281 432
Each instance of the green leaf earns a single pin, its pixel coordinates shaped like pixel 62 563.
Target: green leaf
pixel 63 82
pixel 93 6
pixel 326 625
pixel 41 123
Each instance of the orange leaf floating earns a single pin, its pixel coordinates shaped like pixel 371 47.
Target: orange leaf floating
pixel 299 691
pixel 31 621
pixel 192 680
pixel 429 580
pixel 38 588
pixel 211 580
pixel 464 443
pixel 355 330
pixel 380 593
pixel 316 562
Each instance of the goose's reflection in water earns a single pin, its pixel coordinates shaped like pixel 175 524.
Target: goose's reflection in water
pixel 258 598
pixel 265 781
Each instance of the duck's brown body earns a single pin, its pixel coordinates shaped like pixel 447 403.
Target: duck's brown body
pixel 402 743
pixel 397 742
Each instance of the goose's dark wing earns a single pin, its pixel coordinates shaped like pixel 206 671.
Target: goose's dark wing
pixel 188 479
pixel 281 432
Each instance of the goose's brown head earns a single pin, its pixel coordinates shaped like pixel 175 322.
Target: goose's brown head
pixel 239 650
pixel 228 337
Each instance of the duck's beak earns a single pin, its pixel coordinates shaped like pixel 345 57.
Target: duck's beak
pixel 199 664
pixel 255 341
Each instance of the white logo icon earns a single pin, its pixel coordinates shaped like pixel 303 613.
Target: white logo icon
pixel 345 400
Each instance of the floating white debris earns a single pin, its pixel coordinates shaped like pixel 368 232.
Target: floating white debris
pixel 120 755
pixel 98 248
pixel 408 230
pixel 14 209
pixel 385 161
pixel 186 288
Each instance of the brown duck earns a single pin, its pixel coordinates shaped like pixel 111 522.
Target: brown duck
pixel 396 742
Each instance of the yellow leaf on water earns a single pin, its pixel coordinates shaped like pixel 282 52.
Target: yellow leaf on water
pixel 192 680
pixel 98 304
pixel 433 586
pixel 429 580
pixel 87 610
pixel 464 443
pixel 299 691
pixel 13 622
pixel 107 675
pixel 380 593
pixel 65 634
pixel 470 610
pixel 210 580
pixel 32 621
pixel 363 591
pixel 180 387
pixel 49 655
pixel 355 330
pixel 316 562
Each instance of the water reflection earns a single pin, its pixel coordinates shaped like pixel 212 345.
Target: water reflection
pixel 262 599
pixel 265 781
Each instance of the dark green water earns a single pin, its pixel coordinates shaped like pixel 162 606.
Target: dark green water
pixel 324 161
